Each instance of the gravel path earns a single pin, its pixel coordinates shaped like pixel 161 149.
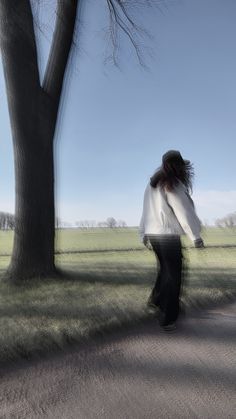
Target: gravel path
pixel 138 373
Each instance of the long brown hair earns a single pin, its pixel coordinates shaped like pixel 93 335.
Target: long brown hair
pixel 171 173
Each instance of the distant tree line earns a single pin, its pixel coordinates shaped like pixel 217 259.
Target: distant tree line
pixel 7 221
pixel 110 222
pixel 227 221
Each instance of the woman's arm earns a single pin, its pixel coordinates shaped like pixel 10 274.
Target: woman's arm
pixel 183 207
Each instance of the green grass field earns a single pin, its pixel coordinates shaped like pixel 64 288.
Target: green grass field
pixel 105 239
pixel 104 285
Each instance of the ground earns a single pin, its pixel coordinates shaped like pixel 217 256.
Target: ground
pixel 137 372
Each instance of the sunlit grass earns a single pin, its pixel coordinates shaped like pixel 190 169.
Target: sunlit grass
pixel 105 239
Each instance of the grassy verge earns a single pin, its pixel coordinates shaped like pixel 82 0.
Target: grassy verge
pixel 100 291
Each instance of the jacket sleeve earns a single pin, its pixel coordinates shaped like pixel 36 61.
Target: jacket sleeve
pixel 141 229
pixel 142 221
pixel 184 210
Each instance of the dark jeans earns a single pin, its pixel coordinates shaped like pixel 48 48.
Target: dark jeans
pixel 166 291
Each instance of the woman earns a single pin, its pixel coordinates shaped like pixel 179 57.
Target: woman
pixel 168 212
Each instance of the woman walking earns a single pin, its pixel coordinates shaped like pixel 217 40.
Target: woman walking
pixel 168 212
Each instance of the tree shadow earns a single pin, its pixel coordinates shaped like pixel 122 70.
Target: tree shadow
pixel 87 305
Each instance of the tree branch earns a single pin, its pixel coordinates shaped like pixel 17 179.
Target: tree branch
pixel 17 42
pixel 20 63
pixel 121 19
pixel 60 48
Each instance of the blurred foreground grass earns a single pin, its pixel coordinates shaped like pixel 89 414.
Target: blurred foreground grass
pixel 102 290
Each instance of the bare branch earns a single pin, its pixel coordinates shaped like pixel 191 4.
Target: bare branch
pixel 60 48
pixel 121 19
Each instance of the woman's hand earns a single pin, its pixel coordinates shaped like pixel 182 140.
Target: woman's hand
pixel 198 243
pixel 147 243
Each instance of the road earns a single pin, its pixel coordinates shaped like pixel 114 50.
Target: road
pixel 137 373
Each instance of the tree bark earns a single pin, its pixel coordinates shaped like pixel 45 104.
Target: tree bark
pixel 33 250
pixel 33 114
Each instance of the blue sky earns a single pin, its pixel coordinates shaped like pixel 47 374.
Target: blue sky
pixel 115 124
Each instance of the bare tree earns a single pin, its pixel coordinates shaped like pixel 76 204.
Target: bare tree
pixel 121 224
pixel 111 222
pixel 33 108
pixel 85 224
pixel 2 220
pixel 7 221
pixel 33 112
pixel 102 224
pixel 228 221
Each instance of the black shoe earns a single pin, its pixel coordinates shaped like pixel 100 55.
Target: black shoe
pixel 169 327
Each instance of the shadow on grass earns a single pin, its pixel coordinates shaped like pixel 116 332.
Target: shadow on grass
pixel 48 315
pixel 108 275
pixel 76 295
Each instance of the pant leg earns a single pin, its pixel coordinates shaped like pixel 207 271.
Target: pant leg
pixel 167 288
pixel 155 293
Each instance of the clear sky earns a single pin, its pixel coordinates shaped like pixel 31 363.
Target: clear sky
pixel 115 124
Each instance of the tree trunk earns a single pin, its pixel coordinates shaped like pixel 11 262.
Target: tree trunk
pixel 33 250
pixel 33 114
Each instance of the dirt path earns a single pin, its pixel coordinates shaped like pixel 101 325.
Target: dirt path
pixel 137 374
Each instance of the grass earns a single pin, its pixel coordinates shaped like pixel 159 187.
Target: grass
pixel 102 290
pixel 72 240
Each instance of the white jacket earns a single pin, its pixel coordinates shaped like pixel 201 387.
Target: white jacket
pixel 169 213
